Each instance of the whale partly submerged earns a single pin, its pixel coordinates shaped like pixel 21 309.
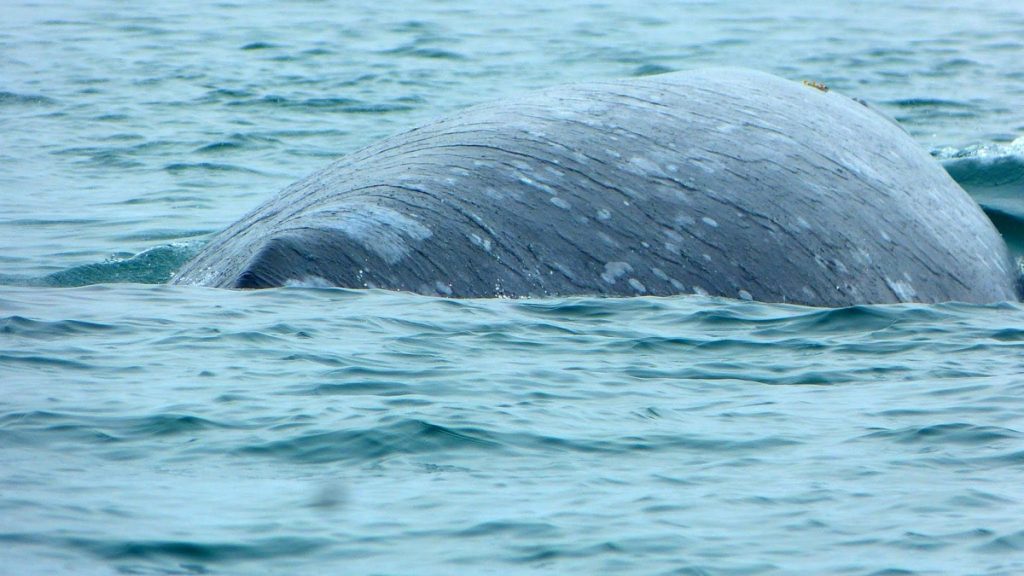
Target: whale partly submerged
pixel 723 182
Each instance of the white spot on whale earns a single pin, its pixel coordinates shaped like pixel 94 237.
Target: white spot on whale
pixel 644 167
pixel 903 290
pixel 383 231
pixel 309 282
pixel 745 295
pixel 560 203
pixel 614 270
pixel 637 285
pixel 603 214
pixel 565 270
pixel 608 239
pixel 480 242
pixel 538 185
pixel 710 221
pixel 684 220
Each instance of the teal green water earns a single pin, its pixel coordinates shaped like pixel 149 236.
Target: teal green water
pixel 149 429
pixel 173 430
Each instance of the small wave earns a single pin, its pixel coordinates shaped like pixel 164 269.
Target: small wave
pixel 376 108
pixel 42 427
pixel 980 151
pixel 13 99
pixel 112 155
pixel 588 307
pixel 55 222
pixel 238 141
pixel 170 424
pixel 953 433
pixel 338 104
pixel 424 52
pixel 928 103
pixel 365 387
pixel 158 234
pixel 1011 226
pixel 994 175
pixel 329 102
pixel 1008 543
pixel 513 529
pixel 48 330
pixel 412 436
pixel 218 147
pixel 198 551
pixel 153 266
pixel 259 46
pixel 207 166
pixel 217 93
pixel 740 372
pixel 407 436
pixel 35 361
pixel 649 443
pixel 651 70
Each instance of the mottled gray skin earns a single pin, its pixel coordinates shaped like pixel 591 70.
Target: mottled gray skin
pixel 724 182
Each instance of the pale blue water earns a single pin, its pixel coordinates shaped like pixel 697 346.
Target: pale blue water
pixel 148 429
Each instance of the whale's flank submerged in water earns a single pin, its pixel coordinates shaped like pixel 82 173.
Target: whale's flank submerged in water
pixel 723 182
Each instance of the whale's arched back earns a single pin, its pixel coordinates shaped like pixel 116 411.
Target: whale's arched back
pixel 725 182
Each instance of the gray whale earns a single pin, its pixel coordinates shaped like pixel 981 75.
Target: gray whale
pixel 723 182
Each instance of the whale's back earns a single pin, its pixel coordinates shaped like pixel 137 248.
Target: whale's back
pixel 725 182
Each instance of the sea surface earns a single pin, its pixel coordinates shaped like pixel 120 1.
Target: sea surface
pixel 155 429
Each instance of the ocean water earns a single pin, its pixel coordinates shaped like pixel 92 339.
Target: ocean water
pixel 151 429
